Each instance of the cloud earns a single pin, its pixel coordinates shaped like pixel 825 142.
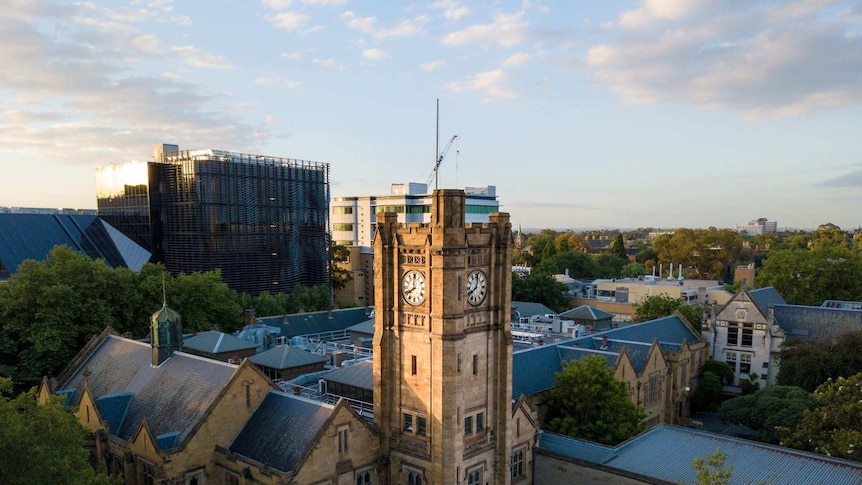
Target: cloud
pixel 293 56
pixel 277 4
pixel 374 54
pixel 326 3
pixel 756 60
pixel 515 60
pixel 505 30
pixel 452 9
pixel 852 179
pixel 194 57
pixel 492 85
pixel 76 97
pixel 329 64
pixel 368 25
pixel 277 81
pixel 288 20
pixel 432 65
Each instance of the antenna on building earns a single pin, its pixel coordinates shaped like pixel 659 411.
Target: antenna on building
pixel 164 293
pixel 437 145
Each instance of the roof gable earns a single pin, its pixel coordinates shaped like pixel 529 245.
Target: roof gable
pixel 529 309
pixel 817 324
pixel 360 374
pixel 217 342
pixel 586 312
pixel 286 357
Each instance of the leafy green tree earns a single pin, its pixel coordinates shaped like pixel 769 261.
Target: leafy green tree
pixel 618 247
pixel 589 403
pixel 834 427
pixel 768 409
pixel 633 270
pixel 540 287
pixel 721 370
pixel 809 364
pixel 338 273
pixel 709 251
pixel 611 265
pixel 304 299
pixel 808 277
pixel 576 262
pixel 706 394
pixel 43 444
pixel 662 305
pixel 648 254
pixel 829 235
pixel 711 471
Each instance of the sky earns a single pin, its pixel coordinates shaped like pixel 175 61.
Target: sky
pixel 583 114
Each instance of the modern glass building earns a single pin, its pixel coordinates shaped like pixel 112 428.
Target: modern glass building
pixel 264 221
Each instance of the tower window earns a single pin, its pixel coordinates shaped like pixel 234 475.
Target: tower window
pixel 342 439
pixel 413 365
pixel 468 425
pixel 421 426
pixel 475 364
pixel 408 422
pixel 480 422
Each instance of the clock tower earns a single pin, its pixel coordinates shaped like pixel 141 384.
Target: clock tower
pixel 443 346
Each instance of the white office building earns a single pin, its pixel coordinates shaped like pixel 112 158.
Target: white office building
pixel 354 218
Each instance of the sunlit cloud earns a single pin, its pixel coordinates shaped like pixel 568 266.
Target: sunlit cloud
pixel 506 30
pixel 432 65
pixel 374 54
pixel 491 84
pixel 329 64
pixel 368 25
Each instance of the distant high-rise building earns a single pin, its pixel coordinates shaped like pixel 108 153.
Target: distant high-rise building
pixel 264 221
pixel 354 218
pixel 758 227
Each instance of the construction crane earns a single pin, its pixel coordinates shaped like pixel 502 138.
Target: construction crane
pixel 440 160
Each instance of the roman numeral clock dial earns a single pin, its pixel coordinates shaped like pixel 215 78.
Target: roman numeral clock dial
pixel 413 287
pixel 477 287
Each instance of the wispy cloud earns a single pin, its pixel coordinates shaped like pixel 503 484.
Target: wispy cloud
pixel 432 65
pixel 288 20
pixel 327 3
pixel 452 9
pixel 852 179
pixel 329 64
pixel 195 57
pixel 515 60
pixel 374 54
pixel 506 30
pixel 368 25
pixel 277 81
pixel 757 60
pixel 491 84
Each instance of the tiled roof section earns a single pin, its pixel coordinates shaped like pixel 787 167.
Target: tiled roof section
pixel 171 397
pixel 533 370
pixel 574 353
pixel 113 409
pixel 217 342
pixel 671 329
pixel 817 324
pixel 586 312
pixel 286 357
pixel 359 375
pixel 363 327
pixel 637 351
pixel 281 431
pixel 764 297
pixel 315 322
pixel 528 308
pixel 666 451
pixel 168 441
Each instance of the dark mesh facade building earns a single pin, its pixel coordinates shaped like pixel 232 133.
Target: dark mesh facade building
pixel 264 221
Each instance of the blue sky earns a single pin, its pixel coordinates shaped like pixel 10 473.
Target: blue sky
pixel 583 114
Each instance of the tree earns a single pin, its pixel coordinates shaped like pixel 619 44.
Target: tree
pixel 706 394
pixel 576 262
pixel 611 265
pixel 648 254
pixel 808 277
pixel 809 364
pixel 711 471
pixel 43 444
pixel 589 403
pixel 768 409
pixel 709 251
pixel 834 427
pixel 721 370
pixel 338 273
pixel 540 287
pixel 662 305
pixel 633 270
pixel 618 247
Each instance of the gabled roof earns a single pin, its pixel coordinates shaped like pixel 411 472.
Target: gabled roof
pixel 533 370
pixel 113 409
pixel 360 374
pixel 666 453
pixel 363 327
pixel 286 357
pixel 671 329
pixel 282 430
pixel 817 324
pixel 213 342
pixel 586 312
pixel 765 297
pixel 173 397
pixel 528 308
pixel 315 322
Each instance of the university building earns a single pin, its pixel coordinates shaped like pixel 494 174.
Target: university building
pixel 262 220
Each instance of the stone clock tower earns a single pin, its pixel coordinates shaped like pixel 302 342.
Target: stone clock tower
pixel 443 346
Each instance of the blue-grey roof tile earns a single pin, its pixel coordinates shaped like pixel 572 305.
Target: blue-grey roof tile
pixel 168 441
pixel 533 370
pixel 766 297
pixel 586 312
pixel 217 342
pixel 528 309
pixel 299 324
pixel 113 409
pixel 281 431
pixel 286 357
pixel 360 374
pixel 363 327
pixel 817 324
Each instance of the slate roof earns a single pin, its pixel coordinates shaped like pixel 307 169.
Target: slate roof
pixel 286 357
pixel 533 370
pixel 315 322
pixel 586 312
pixel 817 324
pixel 363 327
pixel 528 308
pixel 281 431
pixel 217 342
pixel 670 329
pixel 173 397
pixel 666 452
pixel 763 297
pixel 850 305
pixel 32 236
pixel 360 374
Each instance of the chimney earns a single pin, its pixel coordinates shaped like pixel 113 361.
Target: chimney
pixel 670 273
pixel 604 343
pixel 249 318
pixel 567 271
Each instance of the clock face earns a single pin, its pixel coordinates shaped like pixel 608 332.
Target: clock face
pixel 477 287
pixel 413 287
